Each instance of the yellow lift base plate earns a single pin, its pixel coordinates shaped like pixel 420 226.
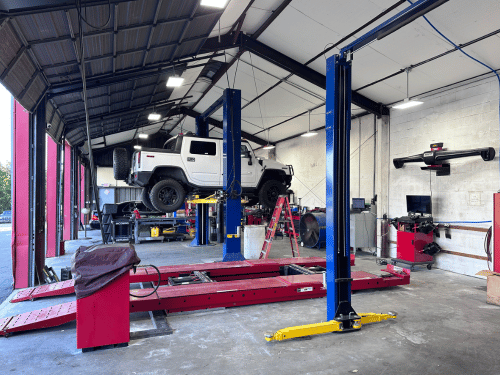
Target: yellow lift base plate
pixel 326 327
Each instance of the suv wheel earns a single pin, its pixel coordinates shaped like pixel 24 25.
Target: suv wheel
pixel 145 199
pixel 269 193
pixel 167 195
pixel 121 163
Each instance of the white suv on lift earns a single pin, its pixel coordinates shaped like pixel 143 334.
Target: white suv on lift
pixel 190 164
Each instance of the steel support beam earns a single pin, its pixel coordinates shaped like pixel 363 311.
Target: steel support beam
pixel 38 125
pixel 67 209
pixel 60 200
pixel 83 196
pixel 52 178
pixel 292 66
pixel 76 123
pixel 124 75
pixel 74 195
pixel 220 125
pixel 232 174
pixel 23 8
pixel 403 18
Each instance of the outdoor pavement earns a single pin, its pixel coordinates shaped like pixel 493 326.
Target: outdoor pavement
pixel 5 261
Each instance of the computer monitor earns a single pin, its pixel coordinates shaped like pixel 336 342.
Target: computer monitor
pixel 358 203
pixel 419 204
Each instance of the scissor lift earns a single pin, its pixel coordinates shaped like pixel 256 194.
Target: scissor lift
pixel 225 284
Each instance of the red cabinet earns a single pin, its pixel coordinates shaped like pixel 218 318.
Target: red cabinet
pixel 411 245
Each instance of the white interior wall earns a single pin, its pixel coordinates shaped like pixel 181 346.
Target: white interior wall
pixel 308 157
pixel 105 176
pixel 465 117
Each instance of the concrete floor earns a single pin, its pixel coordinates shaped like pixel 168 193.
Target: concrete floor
pixel 444 327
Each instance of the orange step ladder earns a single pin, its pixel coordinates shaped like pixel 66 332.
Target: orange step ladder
pixel 282 204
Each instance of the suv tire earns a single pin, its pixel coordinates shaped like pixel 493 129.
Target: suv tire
pixel 269 193
pixel 145 199
pixel 121 164
pixel 167 195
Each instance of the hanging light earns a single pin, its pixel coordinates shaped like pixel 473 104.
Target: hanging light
pixel 309 132
pixel 154 116
pixel 137 147
pixel 268 146
pixel 214 3
pixel 143 136
pixel 174 81
pixel 407 103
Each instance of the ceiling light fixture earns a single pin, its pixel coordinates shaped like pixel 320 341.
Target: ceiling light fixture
pixel 214 3
pixel 137 147
pixel 154 116
pixel 174 81
pixel 143 136
pixel 268 146
pixel 407 103
pixel 309 132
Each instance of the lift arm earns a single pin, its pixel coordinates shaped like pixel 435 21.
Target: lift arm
pixel 326 327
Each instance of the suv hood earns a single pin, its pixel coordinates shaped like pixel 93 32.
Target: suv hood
pixel 271 164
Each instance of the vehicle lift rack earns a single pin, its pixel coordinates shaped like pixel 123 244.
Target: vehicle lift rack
pixel 224 284
pixel 341 316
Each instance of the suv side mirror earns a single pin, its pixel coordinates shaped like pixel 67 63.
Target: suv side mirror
pixel 250 161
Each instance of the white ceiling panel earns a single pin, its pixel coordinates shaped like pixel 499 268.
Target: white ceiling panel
pixel 465 20
pixel 229 17
pixel 258 13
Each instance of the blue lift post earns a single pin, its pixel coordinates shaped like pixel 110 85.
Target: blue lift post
pixel 231 103
pixel 232 174
pixel 202 220
pixel 338 124
pixel 341 316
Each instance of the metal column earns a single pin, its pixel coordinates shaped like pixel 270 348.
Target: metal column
pixel 60 200
pixel 75 188
pixel 52 177
pixel 338 124
pixel 38 126
pixel 232 174
pixel 202 236
pixel 83 196
pixel 67 209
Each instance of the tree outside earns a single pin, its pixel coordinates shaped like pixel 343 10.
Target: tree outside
pixel 5 187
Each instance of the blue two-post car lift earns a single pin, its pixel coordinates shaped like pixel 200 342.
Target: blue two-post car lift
pixel 340 314
pixel 230 101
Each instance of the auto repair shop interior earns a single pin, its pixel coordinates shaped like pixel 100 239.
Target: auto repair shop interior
pixel 252 187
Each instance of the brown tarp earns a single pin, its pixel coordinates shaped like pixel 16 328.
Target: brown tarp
pixel 96 266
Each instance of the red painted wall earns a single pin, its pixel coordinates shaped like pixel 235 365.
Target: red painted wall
pixel 51 197
pixel 67 193
pixel 20 196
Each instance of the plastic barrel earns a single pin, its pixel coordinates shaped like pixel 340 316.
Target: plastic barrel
pixel 313 229
pixel 254 236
